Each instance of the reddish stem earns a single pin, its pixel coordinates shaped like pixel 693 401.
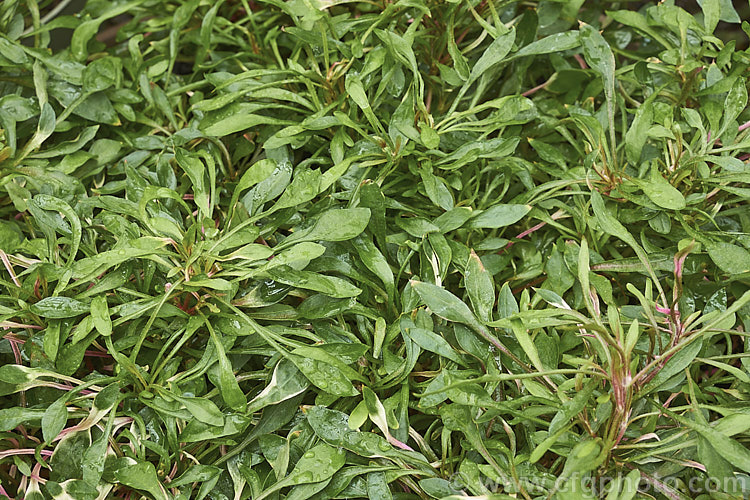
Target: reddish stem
pixel 535 89
pixel 16 351
pixel 24 451
pixel 97 354
pixel 581 62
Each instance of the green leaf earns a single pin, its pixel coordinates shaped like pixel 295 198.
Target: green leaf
pixel 257 172
pixel 506 302
pixel 430 341
pixel 732 259
pixel 146 246
pixel 481 287
pixel 585 456
pixel 72 488
pixel 375 261
pixel 95 456
pixel 329 285
pixel 10 418
pixel 600 58
pixel 301 252
pixel 228 387
pixel 607 222
pixel 51 342
pixel 18 374
pixel 356 91
pixel 377 486
pixel 88 28
pixel 102 74
pixel 638 21
pixel 141 476
pixel 527 344
pixel 436 189
pixel 431 140
pixel 202 409
pixel 100 315
pixel 50 203
pixel 235 118
pixel 732 451
pixel 54 419
pixel 552 298
pixel 195 170
pixel 556 42
pixel 59 307
pixel 637 133
pixel 493 55
pixel 662 193
pixel 443 303
pixel 499 216
pixel 317 464
pixel 212 283
pixel 676 364
pixel 453 219
pixel 571 409
pixel 287 381
pixel 303 188
pixel 711 14
pixel 332 427
pixel 332 225
pixel 45 128
pixel 325 371
pixel 12 52
pixel 195 474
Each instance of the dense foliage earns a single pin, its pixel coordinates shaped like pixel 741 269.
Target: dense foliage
pixel 374 249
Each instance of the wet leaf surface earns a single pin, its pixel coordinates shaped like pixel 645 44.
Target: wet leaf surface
pixel 350 249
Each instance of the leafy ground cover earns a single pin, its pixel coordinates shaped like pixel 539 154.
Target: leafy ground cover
pixel 403 249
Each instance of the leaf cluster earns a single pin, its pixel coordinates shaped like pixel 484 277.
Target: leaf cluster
pixel 360 249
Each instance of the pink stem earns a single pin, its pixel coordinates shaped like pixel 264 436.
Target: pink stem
pixel 679 262
pixel 554 216
pixel 531 91
pixel 531 230
pixel 35 474
pixel 9 268
pixel 24 451
pixel 581 62
pixel 172 473
pixel 13 324
pixel 16 351
pixel 395 442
